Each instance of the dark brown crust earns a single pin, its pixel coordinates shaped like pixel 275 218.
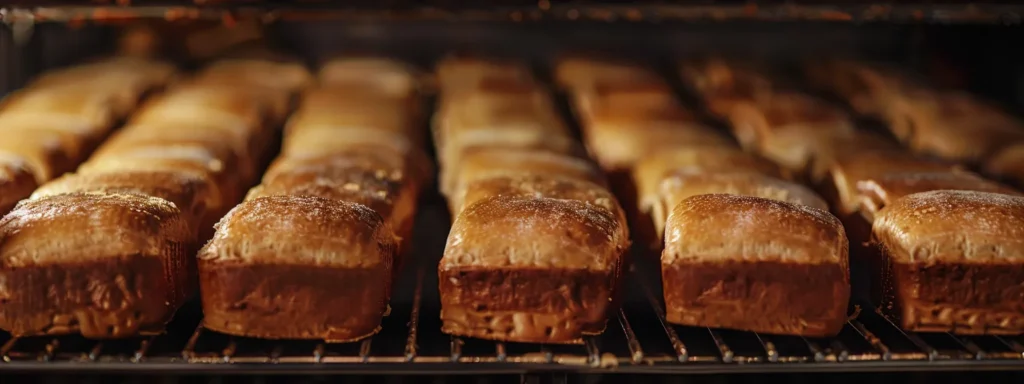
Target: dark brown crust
pixel 104 299
pixel 764 297
pixel 963 299
pixel 332 304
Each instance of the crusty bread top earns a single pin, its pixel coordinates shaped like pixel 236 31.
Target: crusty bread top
pixel 82 109
pixel 714 77
pixel 847 144
pixel 80 227
pixel 189 192
pixel 301 230
pixel 656 166
pixel 952 227
pixel 878 192
pixel 466 71
pixel 352 108
pixel 722 228
pixel 539 223
pixel 130 73
pixel 490 162
pixel 539 186
pixel 848 169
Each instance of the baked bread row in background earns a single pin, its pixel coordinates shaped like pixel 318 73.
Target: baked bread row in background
pixel 313 251
pixel 912 260
pixel 109 251
pixel 744 248
pixel 538 243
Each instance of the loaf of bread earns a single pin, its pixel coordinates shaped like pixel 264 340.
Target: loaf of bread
pixel 649 172
pixel 850 169
pixel 788 128
pixel 953 261
pixel 844 145
pixel 951 125
pixel 1007 164
pixel 328 221
pixel 755 264
pixel 298 267
pixel 103 265
pixel 866 87
pixel 532 259
pixel 379 74
pixel 723 83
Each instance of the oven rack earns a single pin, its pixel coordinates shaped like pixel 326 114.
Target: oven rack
pixel 638 340
pixel 951 12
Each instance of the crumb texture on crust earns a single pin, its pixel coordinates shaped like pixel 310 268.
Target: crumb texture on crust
pixel 49 230
pixel 720 227
pixel 532 221
pixel 678 188
pixel 319 232
pixel 952 226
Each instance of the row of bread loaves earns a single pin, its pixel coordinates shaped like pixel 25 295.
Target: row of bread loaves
pixel 108 251
pixel 538 243
pixel 744 248
pixel 313 251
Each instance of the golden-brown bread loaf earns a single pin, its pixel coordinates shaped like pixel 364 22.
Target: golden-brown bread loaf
pixel 685 160
pixel 951 125
pixel 582 73
pixel 755 264
pixel 678 187
pixel 788 128
pixel 460 72
pixel 494 162
pixel 850 169
pixel 636 102
pixel 1007 164
pixel 17 181
pixel 954 261
pixel 333 259
pixel 271 82
pixel 47 154
pixel 375 74
pixel 724 83
pixel 339 108
pixel 845 145
pixel 189 192
pixel 617 144
pixel 120 262
pixel 866 87
pixel 533 259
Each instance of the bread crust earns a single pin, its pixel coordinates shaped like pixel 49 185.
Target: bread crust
pixel 850 169
pixel 876 193
pixel 953 261
pixel 755 264
pixel 562 287
pixel 16 181
pixel 330 256
pixel 127 274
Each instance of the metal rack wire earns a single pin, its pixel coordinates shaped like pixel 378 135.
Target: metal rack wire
pixel 638 340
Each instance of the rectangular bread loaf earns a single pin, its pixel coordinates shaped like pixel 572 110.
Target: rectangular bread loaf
pixel 312 252
pixel 103 265
pixel 532 259
pixel 954 261
pixel 298 267
pixel 755 264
